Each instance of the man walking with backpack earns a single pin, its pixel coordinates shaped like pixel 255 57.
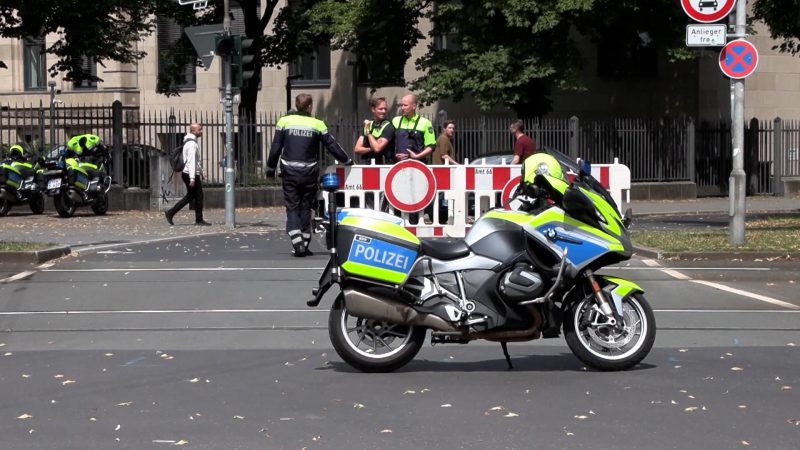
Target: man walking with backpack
pixel 192 175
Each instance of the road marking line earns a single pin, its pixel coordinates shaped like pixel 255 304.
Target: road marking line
pixel 651 262
pixel 752 295
pixel 18 276
pixel 27 273
pixel 722 287
pixel 716 269
pixel 185 269
pixel 737 311
pixel 157 311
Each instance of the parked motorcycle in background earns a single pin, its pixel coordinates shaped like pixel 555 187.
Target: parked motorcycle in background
pixel 516 276
pixel 77 176
pixel 21 181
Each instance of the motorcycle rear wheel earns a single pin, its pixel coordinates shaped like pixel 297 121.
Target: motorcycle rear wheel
pixel 64 206
pixel 371 345
pixel 5 207
pixel 36 203
pixel 605 348
pixel 100 207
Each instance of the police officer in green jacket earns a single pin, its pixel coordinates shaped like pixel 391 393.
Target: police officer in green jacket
pixel 414 137
pixel 296 147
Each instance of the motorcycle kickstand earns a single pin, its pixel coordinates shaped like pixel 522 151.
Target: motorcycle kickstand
pixel 504 344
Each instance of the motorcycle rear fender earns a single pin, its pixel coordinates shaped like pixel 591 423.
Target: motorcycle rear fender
pixel 619 289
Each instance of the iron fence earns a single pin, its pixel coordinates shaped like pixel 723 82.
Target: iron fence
pixel 658 150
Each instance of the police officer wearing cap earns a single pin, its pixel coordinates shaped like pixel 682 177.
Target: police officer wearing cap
pixel 296 147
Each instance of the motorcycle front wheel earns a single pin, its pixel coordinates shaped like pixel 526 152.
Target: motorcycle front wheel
pixel 5 207
pixel 605 347
pixel 36 203
pixel 100 207
pixel 64 205
pixel 372 345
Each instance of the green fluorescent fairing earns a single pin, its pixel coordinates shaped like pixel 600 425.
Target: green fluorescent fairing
pixel 556 215
pixel 624 287
pixel 519 218
pixel 390 276
pixel 382 227
pixel 609 213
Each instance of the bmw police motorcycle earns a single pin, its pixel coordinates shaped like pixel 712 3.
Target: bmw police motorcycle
pixel 518 275
pixel 77 176
pixel 20 181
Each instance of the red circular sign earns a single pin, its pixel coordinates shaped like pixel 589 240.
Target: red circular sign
pixel 406 193
pixel 738 59
pixel 707 11
pixel 508 190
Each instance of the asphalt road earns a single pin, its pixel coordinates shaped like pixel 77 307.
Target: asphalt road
pixel 206 343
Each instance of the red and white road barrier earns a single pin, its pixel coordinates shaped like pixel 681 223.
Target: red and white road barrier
pixel 456 194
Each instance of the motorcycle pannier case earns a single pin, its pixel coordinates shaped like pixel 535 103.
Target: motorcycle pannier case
pixel 375 246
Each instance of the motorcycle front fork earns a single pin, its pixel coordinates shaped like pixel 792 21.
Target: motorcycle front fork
pixel 602 302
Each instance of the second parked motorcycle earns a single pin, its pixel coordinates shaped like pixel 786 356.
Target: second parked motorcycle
pixel 20 181
pixel 77 177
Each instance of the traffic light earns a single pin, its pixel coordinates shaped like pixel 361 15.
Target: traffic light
pixel 224 45
pixel 244 61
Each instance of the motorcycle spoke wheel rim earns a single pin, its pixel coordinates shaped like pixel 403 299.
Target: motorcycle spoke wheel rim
pixel 374 339
pixel 607 343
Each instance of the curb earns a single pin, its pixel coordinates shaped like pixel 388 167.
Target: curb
pixel 714 256
pixel 710 212
pixel 35 256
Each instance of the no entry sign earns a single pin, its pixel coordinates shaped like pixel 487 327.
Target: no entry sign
pixel 707 11
pixel 738 59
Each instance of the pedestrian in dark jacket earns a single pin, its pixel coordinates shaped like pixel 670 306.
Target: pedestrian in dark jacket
pixel 296 147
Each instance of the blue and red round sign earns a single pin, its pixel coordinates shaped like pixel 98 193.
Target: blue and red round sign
pixel 707 11
pixel 738 59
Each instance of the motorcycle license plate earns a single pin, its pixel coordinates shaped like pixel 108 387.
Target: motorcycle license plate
pixel 54 183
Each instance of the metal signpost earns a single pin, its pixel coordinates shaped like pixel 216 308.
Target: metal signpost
pixel 737 60
pixel 206 39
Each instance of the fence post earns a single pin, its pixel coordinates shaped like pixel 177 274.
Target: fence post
pixel 690 151
pixel 777 157
pixel 116 137
pixel 41 128
pixel 574 135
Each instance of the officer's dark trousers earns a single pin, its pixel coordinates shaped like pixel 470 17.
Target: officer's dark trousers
pixel 299 193
pixel 193 194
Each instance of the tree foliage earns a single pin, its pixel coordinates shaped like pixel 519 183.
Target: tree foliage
pixel 98 29
pixel 515 53
pixel 783 19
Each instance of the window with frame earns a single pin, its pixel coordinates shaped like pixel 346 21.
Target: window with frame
pixel 390 74
pixel 315 67
pixel 34 66
pixel 169 33
pixel 89 65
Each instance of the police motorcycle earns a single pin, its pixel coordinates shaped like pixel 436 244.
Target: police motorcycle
pixel 518 275
pixel 20 181
pixel 76 176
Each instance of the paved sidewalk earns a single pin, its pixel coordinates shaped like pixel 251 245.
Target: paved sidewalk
pixel 116 227
pixel 715 205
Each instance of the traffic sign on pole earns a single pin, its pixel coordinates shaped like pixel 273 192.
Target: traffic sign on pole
pixel 410 186
pixel 738 59
pixel 707 11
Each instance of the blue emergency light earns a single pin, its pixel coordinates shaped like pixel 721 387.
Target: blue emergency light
pixel 330 182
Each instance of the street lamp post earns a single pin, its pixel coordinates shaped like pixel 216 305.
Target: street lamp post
pixel 52 85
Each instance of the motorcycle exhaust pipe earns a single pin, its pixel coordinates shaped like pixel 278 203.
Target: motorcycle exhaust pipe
pixel 6 195
pixel 373 307
pixel 75 196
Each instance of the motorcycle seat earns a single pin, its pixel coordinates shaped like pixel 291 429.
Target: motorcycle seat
pixel 444 249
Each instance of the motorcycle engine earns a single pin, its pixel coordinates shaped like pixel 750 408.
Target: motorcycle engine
pixel 520 283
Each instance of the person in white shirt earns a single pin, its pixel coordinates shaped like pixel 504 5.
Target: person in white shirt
pixel 192 176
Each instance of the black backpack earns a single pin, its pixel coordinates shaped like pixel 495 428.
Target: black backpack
pixel 176 159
